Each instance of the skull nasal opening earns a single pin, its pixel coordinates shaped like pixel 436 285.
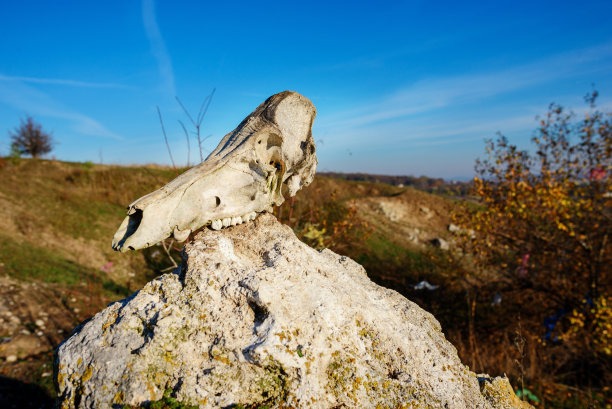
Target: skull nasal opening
pixel 134 222
pixel 278 165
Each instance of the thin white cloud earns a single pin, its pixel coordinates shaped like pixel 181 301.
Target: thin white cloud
pixel 414 132
pixel 432 94
pixel 59 81
pixel 29 99
pixel 472 130
pixel 158 47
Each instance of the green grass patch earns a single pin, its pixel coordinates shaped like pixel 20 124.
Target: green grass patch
pixel 113 289
pixel 45 382
pixel 382 246
pixel 27 262
pixel 80 218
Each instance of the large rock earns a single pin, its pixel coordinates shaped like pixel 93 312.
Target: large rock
pixel 255 318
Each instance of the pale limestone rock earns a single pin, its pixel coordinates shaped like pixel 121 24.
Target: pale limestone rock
pixel 460 231
pixel 392 210
pixel 254 316
pixel 453 228
pixel 427 212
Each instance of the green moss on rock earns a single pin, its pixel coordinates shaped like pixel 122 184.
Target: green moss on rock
pixel 166 402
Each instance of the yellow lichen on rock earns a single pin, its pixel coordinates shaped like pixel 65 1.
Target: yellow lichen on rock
pixel 499 392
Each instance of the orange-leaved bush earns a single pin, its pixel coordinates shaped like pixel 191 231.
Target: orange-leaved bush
pixel 543 229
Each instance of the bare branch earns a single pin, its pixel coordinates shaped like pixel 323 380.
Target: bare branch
pixel 198 122
pixel 161 121
pixel 204 107
pixel 185 110
pixel 186 137
pixel 167 250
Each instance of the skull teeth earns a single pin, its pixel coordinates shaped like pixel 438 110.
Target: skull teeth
pixel 181 235
pixel 249 217
pixel 218 224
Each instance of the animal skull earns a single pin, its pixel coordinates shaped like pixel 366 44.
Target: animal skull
pixel 243 176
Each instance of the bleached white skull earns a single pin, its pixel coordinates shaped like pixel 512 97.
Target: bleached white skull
pixel 243 176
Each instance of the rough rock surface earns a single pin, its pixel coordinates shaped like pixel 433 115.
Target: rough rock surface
pixel 256 318
pixel 391 210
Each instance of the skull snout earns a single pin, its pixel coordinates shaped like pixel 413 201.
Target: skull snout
pixel 129 226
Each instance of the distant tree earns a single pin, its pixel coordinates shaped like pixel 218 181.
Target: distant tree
pixel 30 139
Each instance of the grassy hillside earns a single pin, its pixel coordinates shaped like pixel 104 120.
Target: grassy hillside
pixel 57 220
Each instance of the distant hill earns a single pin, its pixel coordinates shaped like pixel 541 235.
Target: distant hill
pixel 424 183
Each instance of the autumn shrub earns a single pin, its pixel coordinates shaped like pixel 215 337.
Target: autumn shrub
pixel 328 223
pixel 542 239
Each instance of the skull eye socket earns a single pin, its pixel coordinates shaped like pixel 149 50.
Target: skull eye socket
pixel 274 141
pixel 269 155
pixel 268 147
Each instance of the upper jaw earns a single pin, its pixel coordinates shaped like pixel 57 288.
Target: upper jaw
pixel 243 176
pixel 125 239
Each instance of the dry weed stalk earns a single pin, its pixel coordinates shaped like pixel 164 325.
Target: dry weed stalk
pixel 519 343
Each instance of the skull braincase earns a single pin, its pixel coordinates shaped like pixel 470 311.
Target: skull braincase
pixel 244 175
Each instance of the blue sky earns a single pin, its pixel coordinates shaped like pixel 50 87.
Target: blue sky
pixel 401 87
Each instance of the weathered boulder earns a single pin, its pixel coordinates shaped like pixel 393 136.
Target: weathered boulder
pixel 255 318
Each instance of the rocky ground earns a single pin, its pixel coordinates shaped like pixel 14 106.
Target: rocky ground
pixel 34 318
